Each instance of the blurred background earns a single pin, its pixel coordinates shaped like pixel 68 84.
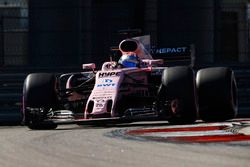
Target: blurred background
pixel 60 35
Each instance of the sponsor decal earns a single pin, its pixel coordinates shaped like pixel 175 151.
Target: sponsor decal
pixel 105 97
pixel 106 85
pixel 108 74
pixel 103 93
pixel 107 81
pixel 170 50
pixel 99 105
pixel 100 101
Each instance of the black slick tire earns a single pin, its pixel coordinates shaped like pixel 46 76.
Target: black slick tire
pixel 217 92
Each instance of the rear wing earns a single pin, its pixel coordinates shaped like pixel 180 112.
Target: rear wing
pixel 172 56
pixel 181 55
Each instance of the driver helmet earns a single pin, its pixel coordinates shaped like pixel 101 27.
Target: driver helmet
pixel 129 60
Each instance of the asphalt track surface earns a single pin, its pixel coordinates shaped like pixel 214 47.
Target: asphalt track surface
pixel 74 146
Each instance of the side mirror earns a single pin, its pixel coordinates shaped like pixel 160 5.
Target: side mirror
pixel 154 62
pixel 90 66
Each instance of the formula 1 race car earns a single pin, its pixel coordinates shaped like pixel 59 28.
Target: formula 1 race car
pixel 135 88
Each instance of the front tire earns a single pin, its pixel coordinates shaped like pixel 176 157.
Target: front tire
pixel 178 90
pixel 39 96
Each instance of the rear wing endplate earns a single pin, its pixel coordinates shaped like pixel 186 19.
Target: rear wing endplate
pixel 184 55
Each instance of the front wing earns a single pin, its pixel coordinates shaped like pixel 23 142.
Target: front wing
pixel 132 115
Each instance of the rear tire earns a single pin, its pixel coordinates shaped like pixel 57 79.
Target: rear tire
pixel 217 92
pixel 39 96
pixel 178 90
